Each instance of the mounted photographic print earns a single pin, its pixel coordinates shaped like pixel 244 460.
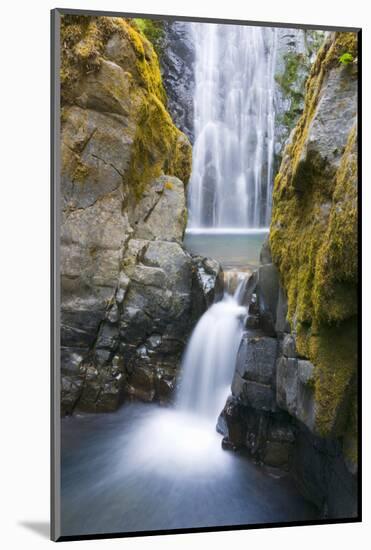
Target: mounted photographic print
pixel 205 264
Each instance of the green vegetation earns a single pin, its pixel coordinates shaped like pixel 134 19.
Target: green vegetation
pixel 346 58
pixel 291 81
pixel 158 146
pixel 293 63
pixel 153 30
pixel 294 75
pixel 83 42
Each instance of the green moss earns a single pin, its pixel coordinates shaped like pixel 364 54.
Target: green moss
pixel 153 30
pixel 158 146
pixel 293 62
pixel 291 81
pixel 346 58
pixel 81 172
pixel 83 40
pixel 335 285
pixel 333 351
pixel 93 251
pixel 313 240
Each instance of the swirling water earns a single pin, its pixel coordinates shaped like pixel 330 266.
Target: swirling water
pixel 148 468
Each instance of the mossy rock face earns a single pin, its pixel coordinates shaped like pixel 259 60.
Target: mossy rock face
pixel 109 66
pixel 118 142
pixel 313 234
pixel 153 30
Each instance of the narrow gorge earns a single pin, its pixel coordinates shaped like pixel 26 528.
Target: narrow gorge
pixel 208 274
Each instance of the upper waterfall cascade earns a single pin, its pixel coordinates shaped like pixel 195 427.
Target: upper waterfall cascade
pixel 232 173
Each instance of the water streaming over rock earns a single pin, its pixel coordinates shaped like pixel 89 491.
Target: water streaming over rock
pixel 231 182
pixel 210 357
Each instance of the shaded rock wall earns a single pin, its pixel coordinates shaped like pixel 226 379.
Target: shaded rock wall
pixel 314 232
pixel 176 60
pixel 127 285
pixel 296 51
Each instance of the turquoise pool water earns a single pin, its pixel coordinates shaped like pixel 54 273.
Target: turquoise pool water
pixel 233 248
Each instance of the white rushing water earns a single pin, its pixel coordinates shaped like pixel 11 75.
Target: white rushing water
pixel 210 357
pixel 231 182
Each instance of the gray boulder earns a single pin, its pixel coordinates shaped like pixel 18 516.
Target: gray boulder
pixel 296 50
pixel 295 389
pixel 253 394
pixel 282 325
pixel 256 358
pixel 323 150
pixel 161 214
pixel 277 454
pixel 253 380
pixel 289 346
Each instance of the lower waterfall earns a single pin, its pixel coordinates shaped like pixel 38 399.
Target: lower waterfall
pixel 150 467
pixel 209 360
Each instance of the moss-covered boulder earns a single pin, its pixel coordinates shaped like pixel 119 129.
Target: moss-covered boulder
pixel 313 234
pixel 111 68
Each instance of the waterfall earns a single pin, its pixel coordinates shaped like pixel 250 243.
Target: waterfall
pixel 231 182
pixel 210 357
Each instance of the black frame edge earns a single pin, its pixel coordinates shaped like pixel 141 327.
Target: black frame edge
pixel 360 216
pixel 215 529
pixel 73 11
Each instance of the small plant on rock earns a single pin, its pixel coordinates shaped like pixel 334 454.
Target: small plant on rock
pixel 346 58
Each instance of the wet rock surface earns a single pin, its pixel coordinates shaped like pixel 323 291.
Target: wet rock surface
pixel 207 284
